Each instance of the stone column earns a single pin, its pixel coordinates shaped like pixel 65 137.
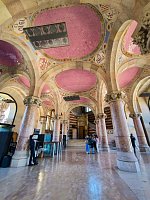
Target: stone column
pixel 43 119
pixel 52 124
pixel 143 146
pixel 56 131
pixel 48 121
pixel 64 127
pixel 97 129
pixel 103 131
pixel 126 159
pixel 26 129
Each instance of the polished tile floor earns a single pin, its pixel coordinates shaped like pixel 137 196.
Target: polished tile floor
pixel 76 175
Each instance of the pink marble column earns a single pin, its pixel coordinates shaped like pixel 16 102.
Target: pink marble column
pixel 43 124
pixel 26 129
pixel 97 129
pixel 48 121
pixel 64 127
pixel 143 146
pixel 56 131
pixel 126 159
pixel 103 131
pixel 52 124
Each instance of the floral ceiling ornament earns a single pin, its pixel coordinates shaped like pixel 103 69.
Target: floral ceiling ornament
pixel 110 15
pixel 19 25
pixel 142 38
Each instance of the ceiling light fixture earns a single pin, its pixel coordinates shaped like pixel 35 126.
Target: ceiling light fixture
pixel 47 36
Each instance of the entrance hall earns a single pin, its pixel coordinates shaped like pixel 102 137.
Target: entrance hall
pixel 74 99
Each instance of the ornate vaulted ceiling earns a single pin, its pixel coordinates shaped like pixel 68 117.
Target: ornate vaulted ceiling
pixel 81 67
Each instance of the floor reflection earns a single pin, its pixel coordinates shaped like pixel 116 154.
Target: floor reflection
pixel 75 175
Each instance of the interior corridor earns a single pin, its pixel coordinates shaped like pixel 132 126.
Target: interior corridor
pixel 76 175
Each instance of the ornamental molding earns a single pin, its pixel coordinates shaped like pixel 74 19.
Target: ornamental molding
pixel 31 100
pixel 101 116
pixel 135 115
pixel 142 38
pixel 114 96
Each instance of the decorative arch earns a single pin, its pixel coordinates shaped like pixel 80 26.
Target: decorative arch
pixel 12 100
pixel 28 67
pixel 77 105
pixel 51 73
pixel 113 54
pixel 132 92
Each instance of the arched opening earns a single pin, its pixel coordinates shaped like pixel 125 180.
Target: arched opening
pixel 81 122
pixel 8 109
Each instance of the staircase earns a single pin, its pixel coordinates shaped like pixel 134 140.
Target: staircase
pixel 108 120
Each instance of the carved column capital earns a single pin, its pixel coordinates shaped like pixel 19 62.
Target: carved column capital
pixel 135 115
pixel 57 117
pixel 31 100
pixel 96 121
pixel 114 96
pixel 101 115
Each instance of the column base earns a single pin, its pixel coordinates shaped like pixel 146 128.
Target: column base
pixel 20 159
pixel 126 161
pixel 104 148
pixel 144 148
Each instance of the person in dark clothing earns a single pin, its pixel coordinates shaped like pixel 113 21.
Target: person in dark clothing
pixel 90 144
pixel 94 143
pixel 133 142
pixel 32 151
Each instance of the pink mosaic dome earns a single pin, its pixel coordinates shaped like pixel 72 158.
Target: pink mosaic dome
pixel 83 28
pixel 9 55
pixel 46 89
pixel 125 77
pixel 76 80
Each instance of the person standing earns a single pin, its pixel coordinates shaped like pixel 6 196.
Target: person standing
pixel 97 143
pixel 32 151
pixel 132 138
